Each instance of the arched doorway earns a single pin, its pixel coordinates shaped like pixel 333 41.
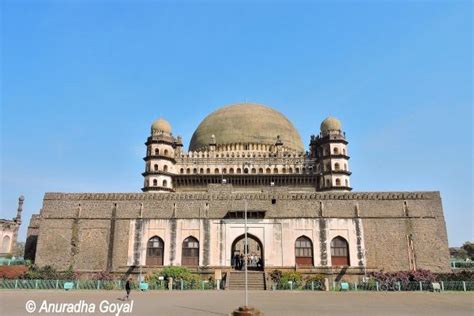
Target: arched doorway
pixel 254 251
pixel 190 252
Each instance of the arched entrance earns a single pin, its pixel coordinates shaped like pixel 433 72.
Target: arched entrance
pixel 255 253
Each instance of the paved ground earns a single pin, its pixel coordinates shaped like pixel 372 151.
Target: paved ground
pixel 271 303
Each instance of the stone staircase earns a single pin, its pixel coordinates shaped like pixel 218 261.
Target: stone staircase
pixel 236 280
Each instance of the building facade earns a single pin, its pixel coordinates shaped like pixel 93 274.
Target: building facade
pixel 9 231
pixel 244 158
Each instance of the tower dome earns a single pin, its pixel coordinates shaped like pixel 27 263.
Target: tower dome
pixel 246 123
pixel 161 125
pixel 331 124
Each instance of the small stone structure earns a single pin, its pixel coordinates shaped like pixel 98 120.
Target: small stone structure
pixel 9 231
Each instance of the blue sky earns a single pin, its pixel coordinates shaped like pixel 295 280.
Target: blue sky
pixel 81 82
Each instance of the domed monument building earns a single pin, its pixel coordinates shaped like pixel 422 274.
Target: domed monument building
pixel 302 212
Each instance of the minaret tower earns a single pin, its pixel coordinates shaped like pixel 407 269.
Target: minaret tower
pixel 20 209
pixel 329 149
pixel 160 158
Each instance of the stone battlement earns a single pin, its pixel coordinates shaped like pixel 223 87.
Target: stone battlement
pixel 422 195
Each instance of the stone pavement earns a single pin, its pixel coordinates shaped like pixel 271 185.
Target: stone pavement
pixel 12 302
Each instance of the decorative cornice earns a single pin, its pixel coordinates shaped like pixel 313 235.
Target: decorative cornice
pixel 151 157
pixel 327 140
pixel 346 172
pixel 147 189
pixel 167 141
pixel 224 195
pixel 334 188
pixel 334 156
pixel 159 172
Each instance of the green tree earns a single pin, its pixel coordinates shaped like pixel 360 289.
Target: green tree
pixel 458 253
pixel 469 248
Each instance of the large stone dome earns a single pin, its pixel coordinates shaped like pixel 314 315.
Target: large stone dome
pixel 246 123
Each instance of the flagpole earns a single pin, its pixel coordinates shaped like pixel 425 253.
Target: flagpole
pixel 245 257
pixel 246 310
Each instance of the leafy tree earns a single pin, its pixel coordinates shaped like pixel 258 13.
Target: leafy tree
pixel 458 253
pixel 468 247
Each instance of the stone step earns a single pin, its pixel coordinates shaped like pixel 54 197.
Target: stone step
pixel 249 283
pixel 255 280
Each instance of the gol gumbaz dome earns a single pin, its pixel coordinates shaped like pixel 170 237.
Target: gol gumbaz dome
pixel 246 123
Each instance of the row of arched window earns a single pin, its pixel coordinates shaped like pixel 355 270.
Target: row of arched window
pixel 337 182
pixel 198 154
pixel 156 247
pixel 337 167
pixel 335 151
pixel 303 251
pixel 164 183
pixel 164 152
pixel 157 168
pixel 267 170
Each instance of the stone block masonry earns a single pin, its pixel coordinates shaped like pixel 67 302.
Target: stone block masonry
pixel 111 230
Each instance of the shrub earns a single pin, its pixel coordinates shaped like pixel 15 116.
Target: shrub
pixel 176 273
pixel 192 280
pixel 152 277
pixel 13 272
pixel 317 280
pixel 275 275
pixel 295 277
pixel 456 276
pixel 389 280
pixel 43 273
pixel 102 276
pixel 422 276
pixel 108 285
pixel 69 274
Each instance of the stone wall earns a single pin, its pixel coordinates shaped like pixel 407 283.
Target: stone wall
pixel 95 231
pixel 32 237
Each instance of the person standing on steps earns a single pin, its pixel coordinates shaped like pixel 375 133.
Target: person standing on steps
pixel 236 261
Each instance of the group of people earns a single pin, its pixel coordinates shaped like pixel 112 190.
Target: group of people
pixel 239 261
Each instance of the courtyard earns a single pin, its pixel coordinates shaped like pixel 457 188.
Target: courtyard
pixel 12 302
